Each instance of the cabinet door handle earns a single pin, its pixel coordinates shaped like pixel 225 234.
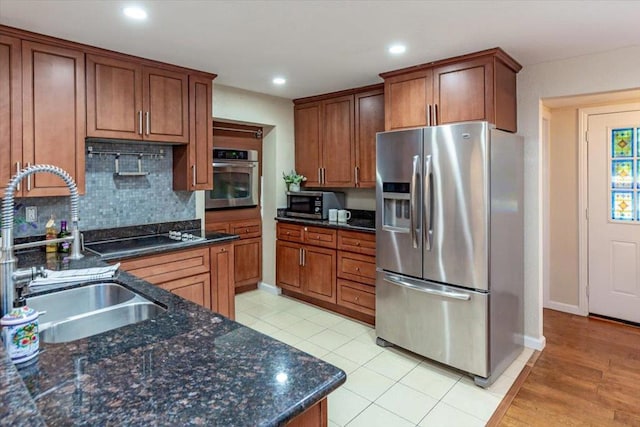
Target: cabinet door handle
pixel 148 116
pixel 319 175
pixel 28 179
pixel 324 176
pixel 140 122
pixel 428 114
pixel 304 257
pixel 17 172
pixel 300 256
pixel 357 175
pixel 435 114
pixel 193 174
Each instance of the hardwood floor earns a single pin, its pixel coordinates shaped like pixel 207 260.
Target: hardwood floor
pixel 587 375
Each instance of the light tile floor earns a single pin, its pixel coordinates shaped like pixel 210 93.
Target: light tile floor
pixel 385 386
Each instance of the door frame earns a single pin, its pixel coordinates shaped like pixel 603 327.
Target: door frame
pixel 583 195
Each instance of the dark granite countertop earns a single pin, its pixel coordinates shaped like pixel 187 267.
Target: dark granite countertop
pixel 187 366
pixel 363 225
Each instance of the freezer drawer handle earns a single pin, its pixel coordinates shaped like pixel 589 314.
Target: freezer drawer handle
pixel 454 295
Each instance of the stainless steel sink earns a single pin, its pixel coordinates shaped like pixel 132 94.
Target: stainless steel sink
pixel 89 310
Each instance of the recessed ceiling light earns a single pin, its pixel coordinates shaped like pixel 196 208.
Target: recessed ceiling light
pixel 135 13
pixel 279 81
pixel 397 49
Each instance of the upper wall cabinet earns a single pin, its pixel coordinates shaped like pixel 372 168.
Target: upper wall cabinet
pixel 128 100
pixel 42 112
pixel 193 163
pixel 10 108
pixel 335 137
pixel 478 86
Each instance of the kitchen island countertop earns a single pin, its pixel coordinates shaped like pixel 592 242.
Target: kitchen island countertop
pixel 189 365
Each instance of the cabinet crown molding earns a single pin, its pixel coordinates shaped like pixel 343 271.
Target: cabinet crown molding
pixel 496 52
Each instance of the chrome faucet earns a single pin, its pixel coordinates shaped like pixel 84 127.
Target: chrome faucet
pixel 9 276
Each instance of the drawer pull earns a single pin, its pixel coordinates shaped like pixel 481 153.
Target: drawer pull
pixel 357 243
pixel 357 268
pixel 247 231
pixel 288 233
pixel 356 299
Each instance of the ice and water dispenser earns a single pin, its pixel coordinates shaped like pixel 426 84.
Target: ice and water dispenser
pixel 396 204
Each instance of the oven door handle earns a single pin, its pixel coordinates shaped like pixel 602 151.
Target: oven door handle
pixel 234 165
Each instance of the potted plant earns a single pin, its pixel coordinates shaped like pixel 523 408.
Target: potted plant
pixel 293 180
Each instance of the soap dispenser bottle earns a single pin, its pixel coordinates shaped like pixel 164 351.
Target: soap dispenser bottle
pixel 20 331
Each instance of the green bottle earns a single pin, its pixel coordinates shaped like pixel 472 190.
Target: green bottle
pixel 64 247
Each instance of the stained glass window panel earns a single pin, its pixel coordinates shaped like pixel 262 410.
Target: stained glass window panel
pixel 622 205
pixel 622 142
pixel 622 174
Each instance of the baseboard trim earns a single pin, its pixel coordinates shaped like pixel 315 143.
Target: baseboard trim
pixel 566 308
pixel 535 343
pixel 267 287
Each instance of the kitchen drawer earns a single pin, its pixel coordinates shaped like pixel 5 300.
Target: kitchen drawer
pixel 289 232
pixel 317 236
pixel 246 229
pixel 360 268
pixel 170 266
pixel 353 241
pixel 218 227
pixel 357 296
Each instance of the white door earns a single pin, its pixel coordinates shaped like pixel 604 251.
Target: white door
pixel 614 215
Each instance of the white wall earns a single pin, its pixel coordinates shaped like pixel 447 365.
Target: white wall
pixel 276 116
pixel 608 71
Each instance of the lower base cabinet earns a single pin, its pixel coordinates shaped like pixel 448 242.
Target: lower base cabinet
pixel 194 288
pixel 222 287
pixel 334 270
pixel 203 275
pixel 316 416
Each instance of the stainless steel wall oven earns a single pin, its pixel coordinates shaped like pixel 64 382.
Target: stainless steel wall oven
pixel 236 179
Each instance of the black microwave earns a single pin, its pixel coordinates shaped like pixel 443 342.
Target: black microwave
pixel 313 204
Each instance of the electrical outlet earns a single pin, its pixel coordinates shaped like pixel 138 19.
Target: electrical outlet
pixel 31 214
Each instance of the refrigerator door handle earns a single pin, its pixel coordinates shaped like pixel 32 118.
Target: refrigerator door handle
pixel 453 295
pixel 414 202
pixel 427 203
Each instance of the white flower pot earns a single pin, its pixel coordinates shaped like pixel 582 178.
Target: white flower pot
pixel 294 187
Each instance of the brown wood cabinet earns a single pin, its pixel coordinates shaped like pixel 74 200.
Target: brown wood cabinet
pixel 131 101
pixel 369 119
pixel 193 163
pixel 51 115
pixel 193 288
pixel 335 137
pixel 49 108
pixel 324 141
pixel 315 416
pixel 222 286
pixel 309 267
pixel 477 86
pixel 202 275
pixel 306 269
pixel 357 271
pixel 407 98
pixel 247 268
pixel 10 108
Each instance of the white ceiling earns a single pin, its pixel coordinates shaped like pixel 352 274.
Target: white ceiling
pixel 323 46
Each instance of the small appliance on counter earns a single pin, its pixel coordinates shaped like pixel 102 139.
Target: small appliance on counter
pixel 313 204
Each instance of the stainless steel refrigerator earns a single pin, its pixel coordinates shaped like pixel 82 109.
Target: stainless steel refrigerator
pixel 449 245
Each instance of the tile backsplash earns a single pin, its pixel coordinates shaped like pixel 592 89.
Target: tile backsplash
pixel 117 201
